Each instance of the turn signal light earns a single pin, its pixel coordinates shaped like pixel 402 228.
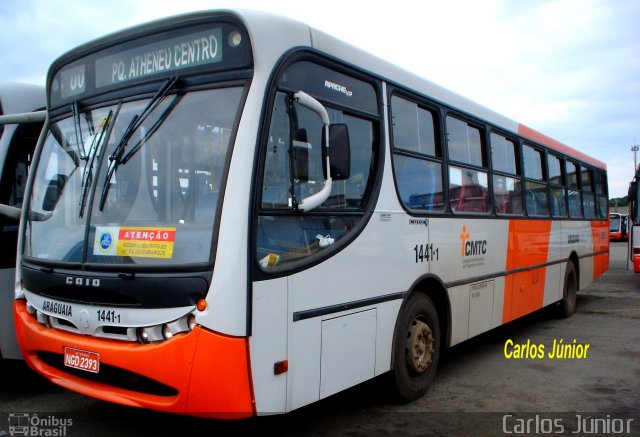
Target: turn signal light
pixel 201 305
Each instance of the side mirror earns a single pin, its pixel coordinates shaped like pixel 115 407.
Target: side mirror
pixel 339 152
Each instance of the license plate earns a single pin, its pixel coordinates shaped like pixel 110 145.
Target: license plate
pixel 83 360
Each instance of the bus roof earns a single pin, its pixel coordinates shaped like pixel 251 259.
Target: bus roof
pixel 273 35
pixel 16 98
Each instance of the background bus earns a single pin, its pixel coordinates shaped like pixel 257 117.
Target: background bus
pixel 233 214
pixel 633 258
pixel 618 226
pixel 17 142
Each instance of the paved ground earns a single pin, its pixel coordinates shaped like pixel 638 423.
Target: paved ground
pixel 477 390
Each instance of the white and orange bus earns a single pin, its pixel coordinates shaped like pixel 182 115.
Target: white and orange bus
pixel 618 226
pixel 234 214
pixel 17 143
pixel 633 225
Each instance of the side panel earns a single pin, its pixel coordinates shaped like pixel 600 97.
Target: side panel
pixel 348 351
pixel 469 250
pixel 554 277
pixel 528 246
pixel 303 378
pixel 481 296
pixel 269 345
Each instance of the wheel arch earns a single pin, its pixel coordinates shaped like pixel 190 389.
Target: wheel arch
pixel 573 258
pixel 433 287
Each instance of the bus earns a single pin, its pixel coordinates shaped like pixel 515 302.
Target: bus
pixel 234 214
pixel 633 223
pixel 618 226
pixel 17 143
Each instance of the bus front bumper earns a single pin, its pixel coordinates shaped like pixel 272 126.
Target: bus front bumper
pixel 200 373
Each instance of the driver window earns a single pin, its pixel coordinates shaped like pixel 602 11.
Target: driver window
pixel 293 171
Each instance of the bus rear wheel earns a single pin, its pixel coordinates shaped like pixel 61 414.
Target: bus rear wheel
pixel 416 348
pixel 567 306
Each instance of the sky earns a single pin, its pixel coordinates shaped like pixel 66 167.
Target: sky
pixel 567 68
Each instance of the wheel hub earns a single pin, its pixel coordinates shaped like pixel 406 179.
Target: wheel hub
pixel 419 347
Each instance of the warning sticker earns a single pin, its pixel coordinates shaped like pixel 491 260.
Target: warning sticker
pixel 140 242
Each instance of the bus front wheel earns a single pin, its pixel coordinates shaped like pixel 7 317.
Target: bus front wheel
pixel 416 348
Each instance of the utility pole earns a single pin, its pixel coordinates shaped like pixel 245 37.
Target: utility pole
pixel 635 149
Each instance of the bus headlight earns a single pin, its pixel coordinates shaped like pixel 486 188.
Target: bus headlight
pixel 151 334
pixel 142 336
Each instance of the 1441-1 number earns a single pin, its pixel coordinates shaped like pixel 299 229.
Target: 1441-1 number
pixel 425 252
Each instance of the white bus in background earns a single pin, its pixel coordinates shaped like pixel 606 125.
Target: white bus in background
pixel 633 224
pixel 17 143
pixel 233 214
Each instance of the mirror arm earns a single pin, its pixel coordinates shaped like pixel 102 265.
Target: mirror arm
pixel 15 213
pixel 10 211
pixel 317 199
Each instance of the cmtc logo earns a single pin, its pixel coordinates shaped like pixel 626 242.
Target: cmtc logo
pixel 471 247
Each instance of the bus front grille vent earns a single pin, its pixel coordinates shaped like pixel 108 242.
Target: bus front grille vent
pixel 112 376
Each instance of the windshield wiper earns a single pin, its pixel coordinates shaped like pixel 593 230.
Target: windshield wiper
pixel 75 111
pixel 115 159
pixel 87 176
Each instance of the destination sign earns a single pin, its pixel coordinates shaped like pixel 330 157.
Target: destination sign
pixel 164 56
pixel 73 81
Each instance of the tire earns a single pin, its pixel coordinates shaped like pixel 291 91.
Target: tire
pixel 416 348
pixel 567 306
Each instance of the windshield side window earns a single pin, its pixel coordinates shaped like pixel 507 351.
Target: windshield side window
pixel 293 170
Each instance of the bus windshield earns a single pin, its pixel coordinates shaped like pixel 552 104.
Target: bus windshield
pixel 114 188
pixel 614 223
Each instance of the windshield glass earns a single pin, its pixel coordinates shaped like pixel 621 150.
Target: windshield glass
pixel 159 203
pixel 614 223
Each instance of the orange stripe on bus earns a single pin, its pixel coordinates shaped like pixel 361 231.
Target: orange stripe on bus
pixel 528 246
pixel 534 135
pixel 600 237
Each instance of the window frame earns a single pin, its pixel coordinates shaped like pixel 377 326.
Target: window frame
pixel 371 194
pixel 501 173
pixel 438 159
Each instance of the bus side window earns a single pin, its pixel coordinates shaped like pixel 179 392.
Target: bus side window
pixel 536 199
pixel 468 188
pixel 507 187
pixel 417 157
pixel 13 180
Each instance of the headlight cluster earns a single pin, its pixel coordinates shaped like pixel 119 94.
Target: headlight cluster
pixel 146 334
pixel 42 318
pixel 150 334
